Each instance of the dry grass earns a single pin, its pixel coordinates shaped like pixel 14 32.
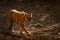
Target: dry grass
pixel 7 37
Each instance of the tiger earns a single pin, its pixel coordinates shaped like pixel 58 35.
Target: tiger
pixel 19 17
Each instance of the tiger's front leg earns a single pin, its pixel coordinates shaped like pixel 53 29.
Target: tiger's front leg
pixel 23 29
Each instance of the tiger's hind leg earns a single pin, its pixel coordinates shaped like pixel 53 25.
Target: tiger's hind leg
pixel 11 26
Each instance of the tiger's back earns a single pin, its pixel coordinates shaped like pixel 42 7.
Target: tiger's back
pixel 16 15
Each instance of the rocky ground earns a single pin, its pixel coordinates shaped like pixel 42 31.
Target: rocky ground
pixel 45 23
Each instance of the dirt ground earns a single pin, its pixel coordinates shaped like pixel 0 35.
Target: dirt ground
pixel 45 24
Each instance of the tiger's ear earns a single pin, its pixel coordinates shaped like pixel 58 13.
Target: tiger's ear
pixel 31 14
